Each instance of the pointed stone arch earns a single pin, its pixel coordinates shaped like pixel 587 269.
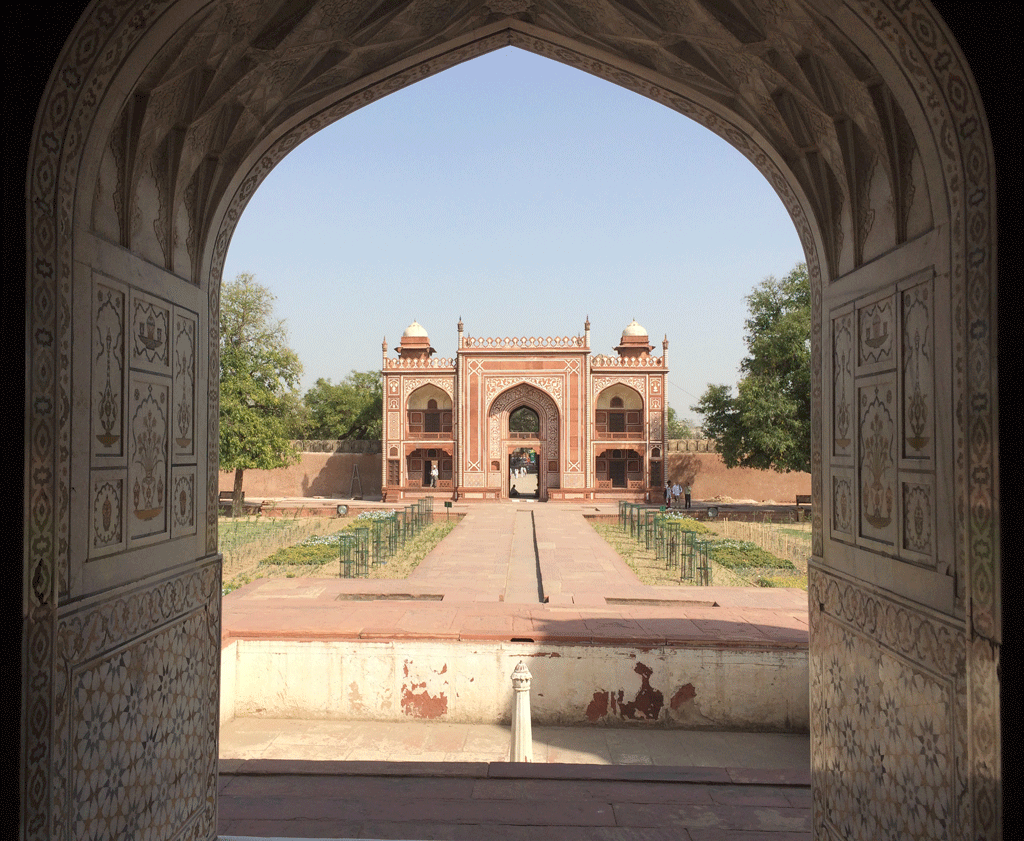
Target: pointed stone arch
pixel 548 436
pixel 864 116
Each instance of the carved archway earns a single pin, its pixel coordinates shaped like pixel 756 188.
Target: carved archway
pixel 547 442
pixel 160 120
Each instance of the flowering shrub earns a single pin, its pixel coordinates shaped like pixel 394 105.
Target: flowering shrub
pixel 377 515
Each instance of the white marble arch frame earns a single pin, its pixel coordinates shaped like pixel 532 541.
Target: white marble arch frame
pixel 549 413
pixel 910 43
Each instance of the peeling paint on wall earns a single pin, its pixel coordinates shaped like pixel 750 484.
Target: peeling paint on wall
pixel 598 708
pixel 684 693
pixel 417 700
pixel 422 704
pixel 646 704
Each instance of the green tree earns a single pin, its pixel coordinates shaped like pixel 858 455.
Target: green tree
pixel 258 375
pixel 349 409
pixel 523 419
pixel 767 425
pixel 677 427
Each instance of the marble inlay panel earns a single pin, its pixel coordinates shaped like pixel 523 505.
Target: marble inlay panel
pixel 843 411
pixel 843 502
pixel 107 532
pixel 918 373
pixel 139 730
pixel 876 334
pixel 150 333
pixel 147 470
pixel 183 501
pixel 108 369
pixel 186 330
pixel 136 726
pixel 918 517
pixel 877 468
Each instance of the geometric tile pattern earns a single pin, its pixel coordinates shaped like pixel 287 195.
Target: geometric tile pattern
pixel 888 692
pixel 138 679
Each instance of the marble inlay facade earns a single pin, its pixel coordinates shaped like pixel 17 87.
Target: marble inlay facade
pixel 488 379
pixel 162 117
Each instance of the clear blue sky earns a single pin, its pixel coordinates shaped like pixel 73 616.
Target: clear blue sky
pixel 522 195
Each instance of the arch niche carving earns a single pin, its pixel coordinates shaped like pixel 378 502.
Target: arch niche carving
pixel 548 434
pixel 162 117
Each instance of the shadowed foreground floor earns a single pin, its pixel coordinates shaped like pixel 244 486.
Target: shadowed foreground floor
pixel 512 802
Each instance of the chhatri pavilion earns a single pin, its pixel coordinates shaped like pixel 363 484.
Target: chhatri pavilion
pixel 524 417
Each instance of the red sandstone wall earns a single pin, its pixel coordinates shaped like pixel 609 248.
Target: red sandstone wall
pixel 316 474
pixel 710 479
pixel 330 475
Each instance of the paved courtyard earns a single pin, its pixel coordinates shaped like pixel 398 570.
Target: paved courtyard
pixel 513 570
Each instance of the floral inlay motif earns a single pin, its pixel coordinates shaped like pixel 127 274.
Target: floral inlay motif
pixel 842 383
pixel 917 518
pixel 876 332
pixel 149 456
pixel 185 378
pixel 108 367
pixel 150 332
pixel 842 505
pixel 917 370
pixel 877 471
pixel 106 514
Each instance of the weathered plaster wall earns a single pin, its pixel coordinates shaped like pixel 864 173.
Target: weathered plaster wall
pixel 696 688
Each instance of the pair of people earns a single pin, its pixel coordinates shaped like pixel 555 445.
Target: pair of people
pixel 673 493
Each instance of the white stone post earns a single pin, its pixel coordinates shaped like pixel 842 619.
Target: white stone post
pixel 521 749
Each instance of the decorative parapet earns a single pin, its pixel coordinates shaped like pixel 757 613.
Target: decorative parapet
pixel 432 364
pixel 605 361
pixel 524 342
pixel 691 445
pixel 337 446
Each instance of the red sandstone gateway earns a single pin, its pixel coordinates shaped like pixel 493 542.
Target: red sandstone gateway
pixel 541 415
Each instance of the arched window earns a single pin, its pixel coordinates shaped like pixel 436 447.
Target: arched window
pixel 431 417
pixel 523 423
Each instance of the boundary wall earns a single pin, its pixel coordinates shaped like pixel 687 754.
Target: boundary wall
pixel 352 470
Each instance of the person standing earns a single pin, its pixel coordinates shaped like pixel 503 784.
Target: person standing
pixel 433 476
pixel 668 494
pixel 676 490
pixel 686 495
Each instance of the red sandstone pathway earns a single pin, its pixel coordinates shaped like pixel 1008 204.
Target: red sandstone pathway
pixel 474 586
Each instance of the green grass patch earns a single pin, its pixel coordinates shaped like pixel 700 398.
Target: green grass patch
pixel 318 556
pixel 738 563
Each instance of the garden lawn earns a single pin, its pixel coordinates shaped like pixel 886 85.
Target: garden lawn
pixel 319 556
pixel 734 563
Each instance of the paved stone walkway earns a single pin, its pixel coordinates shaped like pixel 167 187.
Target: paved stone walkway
pixel 244 739
pixel 478 585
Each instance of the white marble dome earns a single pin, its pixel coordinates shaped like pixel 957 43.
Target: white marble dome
pixel 633 329
pixel 414 330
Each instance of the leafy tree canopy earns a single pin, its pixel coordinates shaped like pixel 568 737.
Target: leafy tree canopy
pixel 767 425
pixel 258 376
pixel 677 427
pixel 349 409
pixel 523 419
